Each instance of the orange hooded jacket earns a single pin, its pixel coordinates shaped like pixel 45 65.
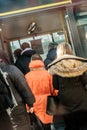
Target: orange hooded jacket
pixel 40 82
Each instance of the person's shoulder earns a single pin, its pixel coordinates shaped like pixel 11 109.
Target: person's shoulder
pixel 13 68
pixel 21 59
pixel 46 71
pixel 29 52
pixel 27 74
pixel 15 71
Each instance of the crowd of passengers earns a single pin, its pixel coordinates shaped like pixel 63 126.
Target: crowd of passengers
pixel 33 79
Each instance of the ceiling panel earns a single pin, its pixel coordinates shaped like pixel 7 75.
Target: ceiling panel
pixel 11 5
pixel 16 27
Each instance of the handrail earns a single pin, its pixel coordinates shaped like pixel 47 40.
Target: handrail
pixel 35 8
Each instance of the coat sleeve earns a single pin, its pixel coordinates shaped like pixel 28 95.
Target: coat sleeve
pixel 83 79
pixel 21 85
pixel 53 91
pixel 55 82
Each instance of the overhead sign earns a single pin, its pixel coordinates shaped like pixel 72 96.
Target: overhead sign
pixel 37 46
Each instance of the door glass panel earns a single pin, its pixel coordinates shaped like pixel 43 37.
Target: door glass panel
pixel 81 19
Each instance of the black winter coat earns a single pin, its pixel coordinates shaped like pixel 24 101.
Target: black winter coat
pixel 72 92
pixel 70 78
pixel 23 61
pixel 4 96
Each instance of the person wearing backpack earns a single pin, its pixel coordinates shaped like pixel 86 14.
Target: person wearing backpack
pixel 21 94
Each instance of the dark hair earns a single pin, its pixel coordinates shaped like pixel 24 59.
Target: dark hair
pixel 36 57
pixel 3 56
pixel 17 52
pixel 25 45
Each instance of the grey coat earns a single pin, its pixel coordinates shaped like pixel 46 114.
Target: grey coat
pixel 20 88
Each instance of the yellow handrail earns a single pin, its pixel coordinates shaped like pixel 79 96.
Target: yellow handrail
pixel 35 8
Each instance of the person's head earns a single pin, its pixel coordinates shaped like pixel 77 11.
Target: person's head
pixel 17 53
pixel 25 45
pixel 63 49
pixel 3 56
pixel 36 57
pixel 52 45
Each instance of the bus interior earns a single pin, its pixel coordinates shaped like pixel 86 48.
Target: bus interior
pixel 41 22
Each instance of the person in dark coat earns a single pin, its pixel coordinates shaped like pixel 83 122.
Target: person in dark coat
pixel 23 61
pixel 51 54
pixel 70 78
pixel 21 94
pixel 17 53
pixel 5 122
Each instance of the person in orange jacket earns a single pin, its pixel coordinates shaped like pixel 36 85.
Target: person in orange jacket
pixel 40 82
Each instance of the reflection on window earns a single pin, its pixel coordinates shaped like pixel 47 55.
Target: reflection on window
pixel 81 21
pixel 59 37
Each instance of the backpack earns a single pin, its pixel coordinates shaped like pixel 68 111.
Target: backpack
pixel 5 93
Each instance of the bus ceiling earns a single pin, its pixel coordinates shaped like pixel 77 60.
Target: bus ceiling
pixel 17 15
pixel 13 7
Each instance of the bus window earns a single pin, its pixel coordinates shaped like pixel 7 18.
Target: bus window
pixel 59 37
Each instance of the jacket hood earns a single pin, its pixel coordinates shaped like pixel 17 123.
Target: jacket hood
pixel 36 64
pixel 28 52
pixel 68 66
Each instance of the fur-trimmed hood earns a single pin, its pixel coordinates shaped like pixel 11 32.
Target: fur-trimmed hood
pixel 68 66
